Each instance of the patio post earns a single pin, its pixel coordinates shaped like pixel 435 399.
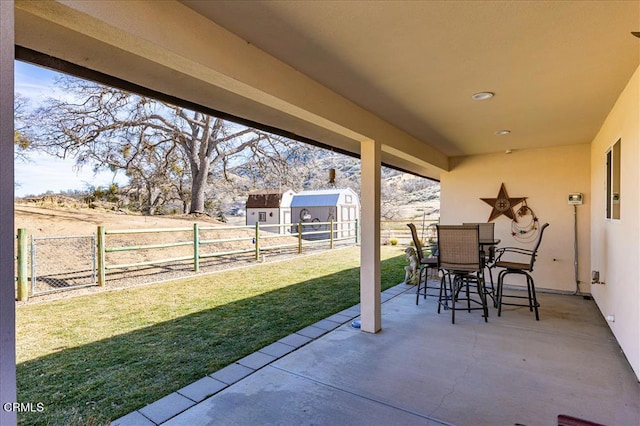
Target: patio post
pixel 7 232
pixel 23 289
pixel 196 248
pixel 370 308
pixel 101 255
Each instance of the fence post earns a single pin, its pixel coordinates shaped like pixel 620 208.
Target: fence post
pixel 101 255
pixel 257 241
pixel 356 231
pixel 299 237
pixel 23 289
pixel 196 248
pixel 331 233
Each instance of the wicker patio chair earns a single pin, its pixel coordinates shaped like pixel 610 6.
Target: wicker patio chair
pixel 459 256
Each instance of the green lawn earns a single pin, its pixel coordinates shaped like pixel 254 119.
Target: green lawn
pixel 98 357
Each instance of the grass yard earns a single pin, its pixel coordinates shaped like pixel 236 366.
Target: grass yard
pixel 96 358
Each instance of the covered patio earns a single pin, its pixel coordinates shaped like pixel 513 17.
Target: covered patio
pixel 394 83
pixel 421 369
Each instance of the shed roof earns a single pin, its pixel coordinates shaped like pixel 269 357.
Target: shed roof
pixel 265 199
pixel 319 198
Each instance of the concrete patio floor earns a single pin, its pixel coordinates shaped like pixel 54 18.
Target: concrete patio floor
pixel 421 369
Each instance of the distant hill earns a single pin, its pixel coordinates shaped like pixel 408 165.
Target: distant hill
pixel 404 196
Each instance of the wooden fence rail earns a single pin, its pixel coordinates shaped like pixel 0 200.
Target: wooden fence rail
pixel 303 233
pixel 337 231
pixel 398 230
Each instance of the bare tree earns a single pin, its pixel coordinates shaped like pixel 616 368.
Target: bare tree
pixel 156 177
pixel 163 148
pixel 21 124
pixel 389 200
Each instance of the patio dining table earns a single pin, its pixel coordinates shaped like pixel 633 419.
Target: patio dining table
pixel 488 242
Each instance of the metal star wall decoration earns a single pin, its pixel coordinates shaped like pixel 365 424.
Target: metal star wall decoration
pixel 503 204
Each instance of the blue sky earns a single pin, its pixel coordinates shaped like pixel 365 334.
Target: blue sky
pixel 45 173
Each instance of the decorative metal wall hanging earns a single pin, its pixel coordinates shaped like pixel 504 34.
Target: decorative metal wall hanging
pixel 526 231
pixel 304 215
pixel 503 204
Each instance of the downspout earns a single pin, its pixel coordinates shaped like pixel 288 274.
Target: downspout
pixel 575 248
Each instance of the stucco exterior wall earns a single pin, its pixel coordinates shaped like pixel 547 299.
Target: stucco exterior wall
pixel 545 177
pixel 614 243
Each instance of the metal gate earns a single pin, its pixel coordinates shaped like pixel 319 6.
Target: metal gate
pixel 62 263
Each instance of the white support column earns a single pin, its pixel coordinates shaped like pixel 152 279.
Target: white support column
pixel 370 308
pixel 7 239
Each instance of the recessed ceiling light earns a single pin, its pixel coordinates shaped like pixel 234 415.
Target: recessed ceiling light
pixel 482 96
pixel 636 33
pixel 503 132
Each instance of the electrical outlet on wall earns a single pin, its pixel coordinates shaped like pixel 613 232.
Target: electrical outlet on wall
pixel 595 277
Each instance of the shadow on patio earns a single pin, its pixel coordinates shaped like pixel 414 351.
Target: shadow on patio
pixel 421 369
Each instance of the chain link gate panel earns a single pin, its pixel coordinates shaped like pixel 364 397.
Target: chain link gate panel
pixel 62 263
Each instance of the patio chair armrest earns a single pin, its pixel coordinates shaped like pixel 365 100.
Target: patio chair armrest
pixel 513 250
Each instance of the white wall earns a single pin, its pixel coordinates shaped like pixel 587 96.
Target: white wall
pixel 7 241
pixel 545 177
pixel 272 217
pixel 287 197
pixel 614 244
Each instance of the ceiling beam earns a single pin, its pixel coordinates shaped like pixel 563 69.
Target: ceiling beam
pixel 207 65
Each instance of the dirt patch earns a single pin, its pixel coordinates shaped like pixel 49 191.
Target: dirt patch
pixel 48 219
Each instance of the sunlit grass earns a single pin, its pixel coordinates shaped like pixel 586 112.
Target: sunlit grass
pixel 105 355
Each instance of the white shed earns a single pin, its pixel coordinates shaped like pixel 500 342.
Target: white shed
pixel 341 205
pixel 270 207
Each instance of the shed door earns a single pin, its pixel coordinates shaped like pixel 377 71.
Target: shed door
pixel 348 215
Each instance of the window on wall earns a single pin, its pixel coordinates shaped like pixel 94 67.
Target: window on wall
pixel 262 217
pixel 613 181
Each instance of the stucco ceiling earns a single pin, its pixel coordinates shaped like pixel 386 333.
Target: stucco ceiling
pixel 556 68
